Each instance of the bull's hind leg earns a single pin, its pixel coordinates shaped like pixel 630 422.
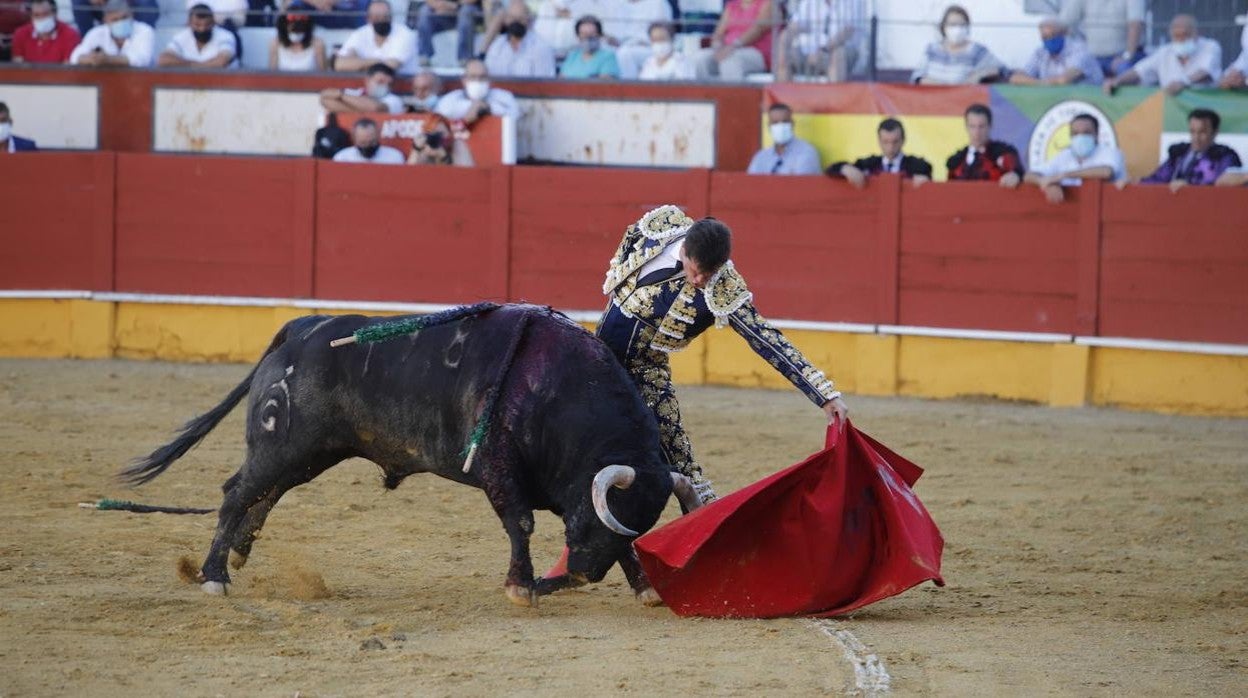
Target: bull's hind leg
pixel 507 498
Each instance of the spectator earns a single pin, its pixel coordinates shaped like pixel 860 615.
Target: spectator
pixel 956 60
pixel 1060 60
pixel 13 14
pixel 1235 75
pixel 1113 30
pixel 519 53
pixel 333 14
pixel 1233 177
pixel 87 13
pixel 892 137
pixel 330 139
pixel 554 25
pixel 201 45
pixel 1200 162
pixel 368 147
pixel 118 42
pixel 8 142
pixel 626 29
pixel 230 14
pixel 439 15
pixel 380 40
pixel 985 159
pixel 741 43
pixel 590 59
pixel 374 96
pixel 476 98
pixel 1085 158
pixel 432 147
pixel 823 38
pixel 788 155
pixel 664 63
pixel 426 86
pixel 45 39
pixel 1189 59
pixel 296 49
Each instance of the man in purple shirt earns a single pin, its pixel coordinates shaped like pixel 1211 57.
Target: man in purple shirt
pixel 1199 162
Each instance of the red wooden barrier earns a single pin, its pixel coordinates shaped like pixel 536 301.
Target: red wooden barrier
pixel 214 225
pixel 1175 266
pixel 975 256
pixel 567 222
pixel 56 221
pixel 414 234
pixel 809 247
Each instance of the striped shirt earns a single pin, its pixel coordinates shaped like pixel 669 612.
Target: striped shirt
pixel 941 66
pixel 817 22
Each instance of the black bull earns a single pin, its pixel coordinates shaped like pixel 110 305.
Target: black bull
pixel 566 413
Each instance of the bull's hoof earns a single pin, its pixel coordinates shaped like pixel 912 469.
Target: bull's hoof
pixel 649 597
pixel 521 596
pixel 215 588
pixel 237 560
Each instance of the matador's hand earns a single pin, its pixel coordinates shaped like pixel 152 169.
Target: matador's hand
pixel 837 411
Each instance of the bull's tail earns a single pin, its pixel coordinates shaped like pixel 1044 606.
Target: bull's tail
pixel 144 470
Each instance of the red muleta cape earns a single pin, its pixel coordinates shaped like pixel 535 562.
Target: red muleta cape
pixel 833 533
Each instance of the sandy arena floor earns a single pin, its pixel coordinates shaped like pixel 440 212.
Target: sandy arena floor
pixel 1089 552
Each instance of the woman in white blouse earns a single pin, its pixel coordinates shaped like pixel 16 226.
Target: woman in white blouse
pixel 664 63
pixel 295 49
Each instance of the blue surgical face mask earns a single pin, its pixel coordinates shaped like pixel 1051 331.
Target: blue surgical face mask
pixel 1055 44
pixel 122 28
pixel 1082 144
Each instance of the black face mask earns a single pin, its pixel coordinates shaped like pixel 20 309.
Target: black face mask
pixel 369 150
pixel 382 28
pixel 517 30
pixel 203 37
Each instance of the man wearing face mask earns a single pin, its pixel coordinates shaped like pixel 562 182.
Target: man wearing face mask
pixel 1086 158
pixel 1060 60
pixel 1200 162
pixel 664 63
pixel 8 142
pixel 201 45
pixel 788 155
pixel 118 42
pixel 426 86
pixel 374 96
pixel 519 53
pixel 1189 59
pixel 476 98
pixel 379 41
pixel 368 148
pixel 45 39
pixel 590 59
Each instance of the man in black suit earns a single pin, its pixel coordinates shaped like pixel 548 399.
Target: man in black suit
pixel 892 136
pixel 8 142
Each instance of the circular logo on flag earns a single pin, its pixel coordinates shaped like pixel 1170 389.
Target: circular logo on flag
pixel 1052 132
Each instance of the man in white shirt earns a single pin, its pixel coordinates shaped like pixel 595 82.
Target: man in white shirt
pixel 788 155
pixel 119 41
pixel 1189 59
pixel 1112 29
pixel 1236 75
pixel 368 148
pixel 374 96
pixel 1086 158
pixel 201 45
pixel 379 41
pixel 476 98
pixel 517 52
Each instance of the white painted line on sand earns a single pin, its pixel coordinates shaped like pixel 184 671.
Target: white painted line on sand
pixel 870 676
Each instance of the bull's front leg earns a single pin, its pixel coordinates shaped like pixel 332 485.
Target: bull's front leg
pixel 638 580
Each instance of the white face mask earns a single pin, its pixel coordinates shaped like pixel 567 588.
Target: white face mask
pixel 296 38
pixel 1185 48
pixel 5 130
pixel 957 33
pixel 782 133
pixel 476 89
pixel 661 49
pixel 378 91
pixel 44 25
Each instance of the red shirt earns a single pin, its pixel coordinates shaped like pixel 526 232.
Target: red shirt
pixel 50 49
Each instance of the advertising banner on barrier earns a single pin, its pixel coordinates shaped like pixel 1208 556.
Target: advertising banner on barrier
pixel 841 120
pixel 488 141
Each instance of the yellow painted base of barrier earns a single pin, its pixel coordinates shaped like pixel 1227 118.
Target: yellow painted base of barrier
pixel 1060 375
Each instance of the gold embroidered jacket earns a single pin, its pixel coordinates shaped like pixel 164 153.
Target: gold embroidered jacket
pixel 644 321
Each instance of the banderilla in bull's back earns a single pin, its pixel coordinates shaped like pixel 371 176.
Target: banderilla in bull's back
pixel 516 400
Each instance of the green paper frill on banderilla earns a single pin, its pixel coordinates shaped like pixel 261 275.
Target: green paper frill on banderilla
pixel 401 328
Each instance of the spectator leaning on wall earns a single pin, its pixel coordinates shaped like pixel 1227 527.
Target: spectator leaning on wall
pixel 955 59
pixel 1189 59
pixel 789 155
pixel 1060 60
pixel 201 45
pixel 892 137
pixel 985 159
pixel 1085 158
pixel 1113 29
pixel 378 41
pixel 1199 162
pixel 368 148
pixel 8 142
pixel 118 42
pixel 45 39
pixel 476 98
pixel 374 96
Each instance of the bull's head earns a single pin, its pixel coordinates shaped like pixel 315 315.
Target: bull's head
pixel 622 477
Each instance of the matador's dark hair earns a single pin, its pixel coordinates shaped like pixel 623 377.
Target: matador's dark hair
pixel 709 243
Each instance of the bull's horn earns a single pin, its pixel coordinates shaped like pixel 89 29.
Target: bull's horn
pixel 620 476
pixel 685 494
